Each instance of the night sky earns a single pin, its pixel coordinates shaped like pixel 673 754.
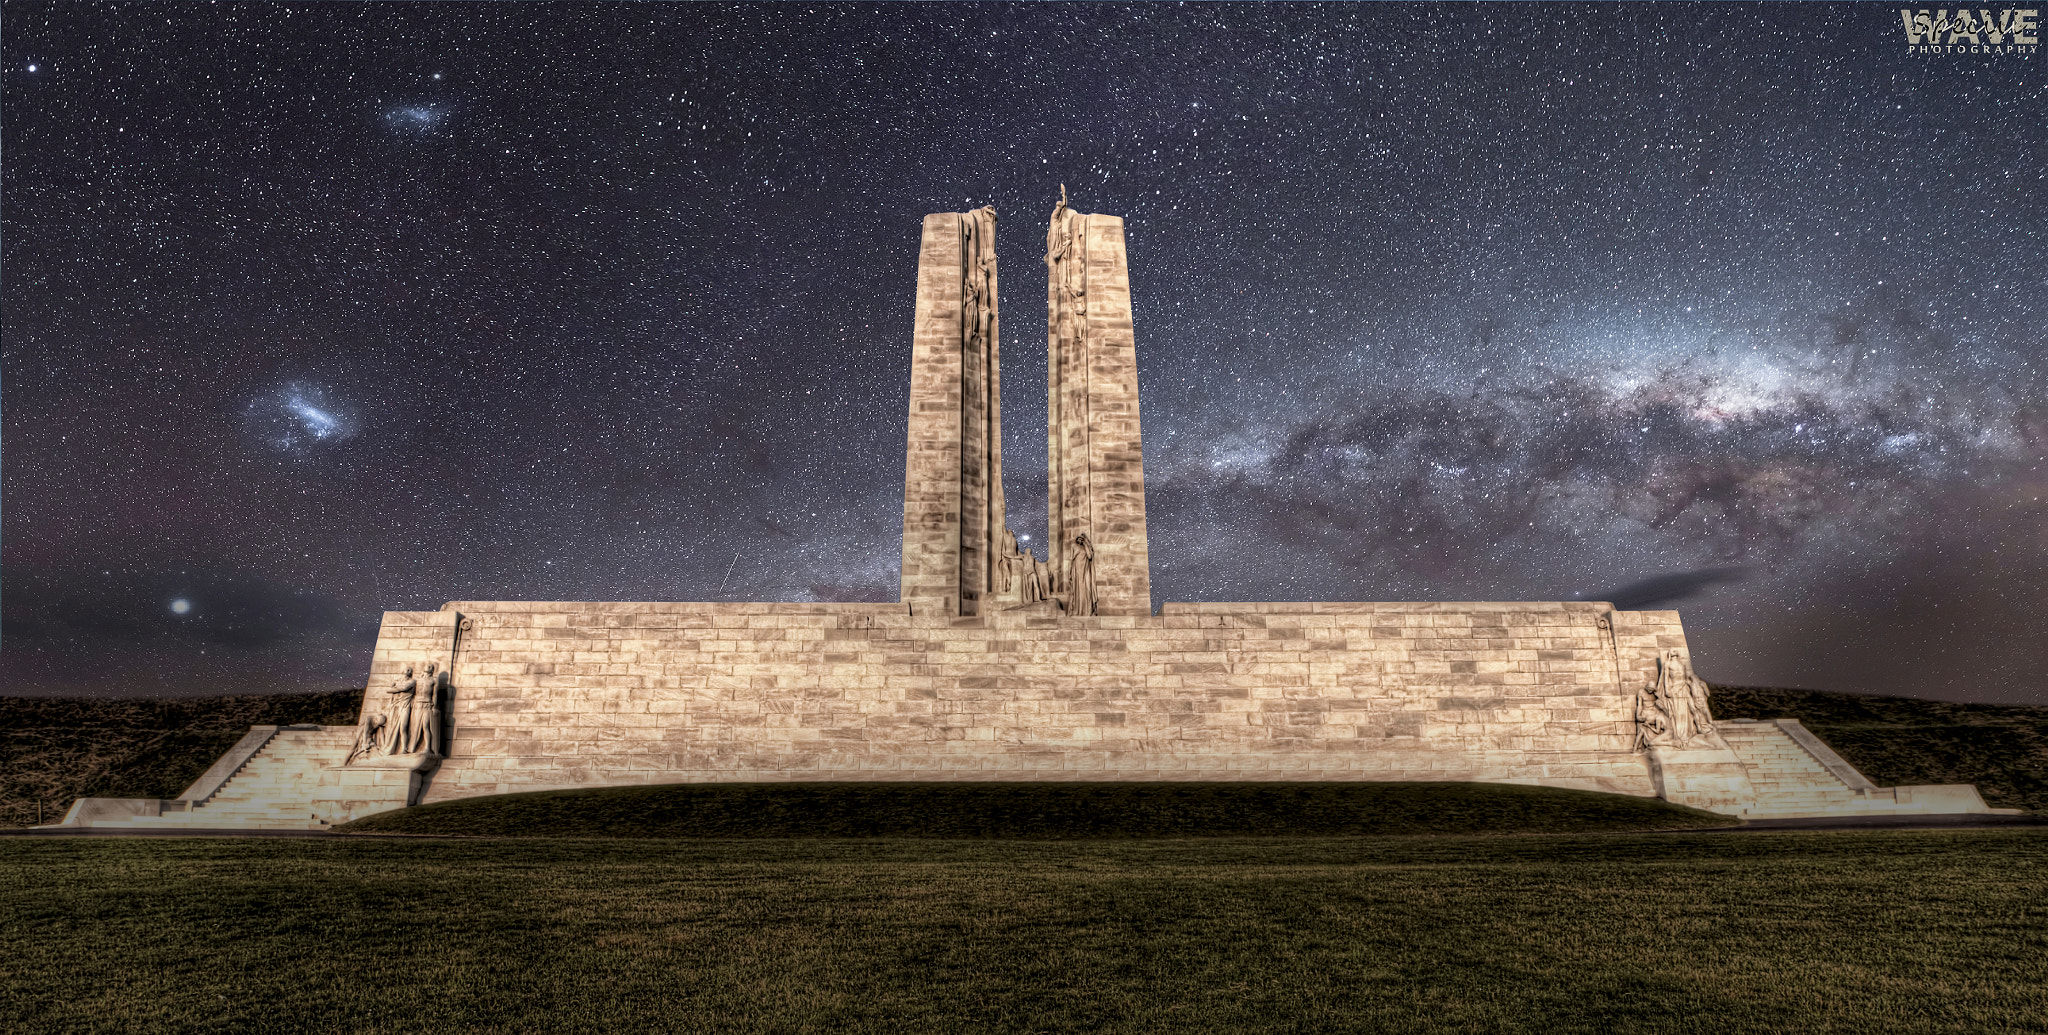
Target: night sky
pixel 315 311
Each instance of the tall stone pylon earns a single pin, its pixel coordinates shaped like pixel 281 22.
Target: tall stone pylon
pixel 953 467
pixel 1095 464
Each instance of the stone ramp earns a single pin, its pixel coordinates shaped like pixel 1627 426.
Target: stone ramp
pixel 1796 776
pixel 276 778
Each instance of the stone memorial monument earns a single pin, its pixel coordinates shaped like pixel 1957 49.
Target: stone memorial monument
pixel 997 664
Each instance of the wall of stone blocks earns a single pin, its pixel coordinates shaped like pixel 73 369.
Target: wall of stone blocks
pixel 409 638
pixel 562 694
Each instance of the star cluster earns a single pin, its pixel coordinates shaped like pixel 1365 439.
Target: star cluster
pixel 316 311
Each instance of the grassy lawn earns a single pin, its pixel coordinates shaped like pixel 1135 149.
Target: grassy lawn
pixel 1040 810
pixel 1811 932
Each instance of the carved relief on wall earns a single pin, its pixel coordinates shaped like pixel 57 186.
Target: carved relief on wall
pixel 978 281
pixel 407 726
pixel 1673 712
pixel 1068 508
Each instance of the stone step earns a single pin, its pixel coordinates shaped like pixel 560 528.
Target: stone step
pixel 1786 777
pixel 1791 781
pixel 200 821
pixel 291 783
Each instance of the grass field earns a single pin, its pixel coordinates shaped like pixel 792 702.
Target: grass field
pixel 1892 932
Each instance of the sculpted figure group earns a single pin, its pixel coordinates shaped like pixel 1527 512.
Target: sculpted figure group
pixel 1672 712
pixel 410 721
pixel 1024 579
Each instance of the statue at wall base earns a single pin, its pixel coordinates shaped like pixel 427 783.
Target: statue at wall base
pixel 1673 711
pixel 407 731
pixel 1080 596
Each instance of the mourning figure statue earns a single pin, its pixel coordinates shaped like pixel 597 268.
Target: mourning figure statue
pixel 1081 580
pixel 1673 712
pixel 1653 723
pixel 384 732
pixel 1008 564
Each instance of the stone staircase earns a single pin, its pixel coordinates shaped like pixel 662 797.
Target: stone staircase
pixel 276 778
pixel 1796 776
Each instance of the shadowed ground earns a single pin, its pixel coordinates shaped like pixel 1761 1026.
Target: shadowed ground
pixel 1693 933
pixel 1040 811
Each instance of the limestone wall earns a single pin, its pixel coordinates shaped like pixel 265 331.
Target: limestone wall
pixel 553 694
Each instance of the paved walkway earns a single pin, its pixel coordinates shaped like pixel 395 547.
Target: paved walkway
pixel 1943 822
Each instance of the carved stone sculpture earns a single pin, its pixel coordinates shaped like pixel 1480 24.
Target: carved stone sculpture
pixel 406 731
pixel 1653 724
pixel 425 734
pixel 1081 582
pixel 398 714
pixel 369 737
pixel 1009 565
pixel 1673 712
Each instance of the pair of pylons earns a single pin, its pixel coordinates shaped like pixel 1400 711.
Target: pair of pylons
pixel 959 557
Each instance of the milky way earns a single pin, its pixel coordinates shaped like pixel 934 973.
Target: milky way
pixel 317 311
